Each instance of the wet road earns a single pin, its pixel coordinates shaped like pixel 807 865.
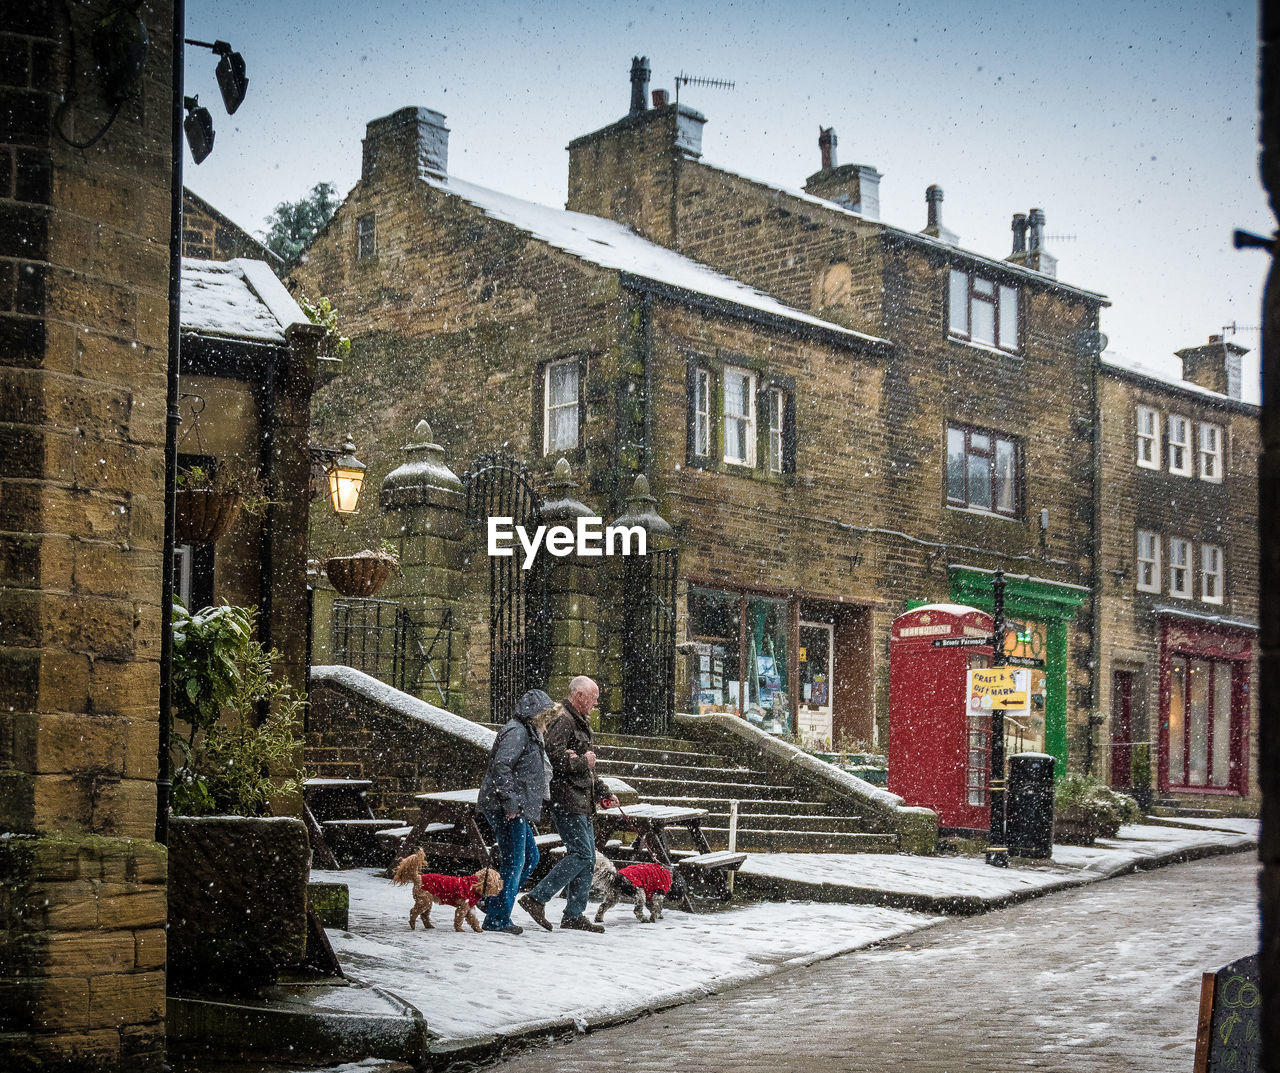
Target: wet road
pixel 1100 980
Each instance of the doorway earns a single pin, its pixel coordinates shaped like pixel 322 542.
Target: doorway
pixel 1122 729
pixel 816 667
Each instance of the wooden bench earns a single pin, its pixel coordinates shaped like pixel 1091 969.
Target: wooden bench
pixel 715 867
pixel 332 799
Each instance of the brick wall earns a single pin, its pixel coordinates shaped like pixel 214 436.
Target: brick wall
pixel 83 341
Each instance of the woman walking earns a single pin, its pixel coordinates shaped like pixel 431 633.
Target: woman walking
pixel 516 783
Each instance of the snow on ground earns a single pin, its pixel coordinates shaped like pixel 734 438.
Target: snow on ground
pixel 469 984
pixel 1137 842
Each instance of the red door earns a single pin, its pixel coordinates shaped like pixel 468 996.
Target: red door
pixel 1122 729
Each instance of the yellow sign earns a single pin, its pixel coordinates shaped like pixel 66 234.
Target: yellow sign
pixel 803 656
pixel 1002 688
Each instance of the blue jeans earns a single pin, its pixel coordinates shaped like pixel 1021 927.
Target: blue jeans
pixel 519 856
pixel 573 873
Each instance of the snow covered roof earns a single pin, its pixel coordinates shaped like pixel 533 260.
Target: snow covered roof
pixel 239 299
pixel 1114 361
pixel 611 245
pixel 921 238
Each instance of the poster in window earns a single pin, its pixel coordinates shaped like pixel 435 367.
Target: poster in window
pixel 818 693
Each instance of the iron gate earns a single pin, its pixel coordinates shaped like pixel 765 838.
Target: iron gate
pixel 648 642
pixel 519 618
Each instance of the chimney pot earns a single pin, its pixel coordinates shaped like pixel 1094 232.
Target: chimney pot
pixel 827 147
pixel 1215 339
pixel 1019 233
pixel 660 98
pixel 933 198
pixel 1036 220
pixel 639 84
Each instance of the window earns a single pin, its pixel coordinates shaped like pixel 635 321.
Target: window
pixel 1210 452
pixel 739 416
pixel 701 445
pixel 365 236
pixel 560 411
pixel 1180 567
pixel 983 311
pixel 782 453
pixel 1148 437
pixel 1179 445
pixel 1148 561
pixel 1211 587
pixel 1204 721
pixel 983 471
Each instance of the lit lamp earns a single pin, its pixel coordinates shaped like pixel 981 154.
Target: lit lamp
pixel 346 478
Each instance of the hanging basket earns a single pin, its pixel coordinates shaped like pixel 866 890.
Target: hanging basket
pixel 202 516
pixel 359 575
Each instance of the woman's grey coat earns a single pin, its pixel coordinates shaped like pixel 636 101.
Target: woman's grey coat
pixel 519 774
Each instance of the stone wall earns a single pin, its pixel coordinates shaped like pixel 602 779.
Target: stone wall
pixel 84 270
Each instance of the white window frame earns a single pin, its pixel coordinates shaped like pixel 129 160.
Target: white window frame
pixel 1180 566
pixel 1180 449
pixel 1212 574
pixel 548 446
pixel 747 419
pixel 702 413
pixel 1148 439
pixel 366 236
pixel 1211 436
pixel 967 288
pixel 777 429
pixel 182 563
pixel 1148 557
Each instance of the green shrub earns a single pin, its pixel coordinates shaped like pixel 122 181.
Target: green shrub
pixel 1083 799
pixel 222 679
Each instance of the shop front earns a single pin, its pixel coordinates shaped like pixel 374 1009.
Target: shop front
pixel 1204 703
pixel 794 666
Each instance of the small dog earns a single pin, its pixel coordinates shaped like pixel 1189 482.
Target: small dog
pixel 648 884
pixel 461 892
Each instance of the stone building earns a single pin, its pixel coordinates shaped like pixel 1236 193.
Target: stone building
pixel 1179 580
pixel 209 235
pixel 880 417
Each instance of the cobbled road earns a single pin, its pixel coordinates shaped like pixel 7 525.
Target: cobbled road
pixel 1104 979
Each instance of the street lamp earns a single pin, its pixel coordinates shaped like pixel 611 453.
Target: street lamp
pixel 346 478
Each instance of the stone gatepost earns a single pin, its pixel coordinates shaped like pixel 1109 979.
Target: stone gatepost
pixel 630 590
pixel 426 511
pixel 572 592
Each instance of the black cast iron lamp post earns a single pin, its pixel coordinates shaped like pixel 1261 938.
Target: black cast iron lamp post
pixel 997 851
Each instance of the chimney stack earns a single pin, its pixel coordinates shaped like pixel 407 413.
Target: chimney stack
pixel 639 85
pixel 1019 238
pixel 411 140
pixel 934 228
pixel 1036 256
pixel 827 147
pixel 1215 365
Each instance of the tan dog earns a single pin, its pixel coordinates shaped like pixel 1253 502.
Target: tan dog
pixel 461 892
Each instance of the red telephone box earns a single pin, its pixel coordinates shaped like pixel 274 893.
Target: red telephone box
pixel 939 751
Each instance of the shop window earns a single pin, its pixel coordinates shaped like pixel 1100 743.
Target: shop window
pixel 1202 722
pixel 561 406
pixel 984 471
pixel 1148 437
pixel 1210 452
pixel 1179 445
pixel 1180 567
pixel 1211 571
pixel 1148 579
pixel 983 311
pixel 365 237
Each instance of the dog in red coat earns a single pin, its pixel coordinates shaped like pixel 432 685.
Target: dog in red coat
pixel 647 882
pixel 461 892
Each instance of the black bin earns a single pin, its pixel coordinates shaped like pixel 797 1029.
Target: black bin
pixel 1029 806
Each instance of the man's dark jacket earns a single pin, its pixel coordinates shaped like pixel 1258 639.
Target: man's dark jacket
pixel 573 787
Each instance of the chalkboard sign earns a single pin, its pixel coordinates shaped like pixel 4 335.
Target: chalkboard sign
pixel 1229 1032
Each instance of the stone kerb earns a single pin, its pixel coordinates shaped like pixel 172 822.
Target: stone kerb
pixel 917 828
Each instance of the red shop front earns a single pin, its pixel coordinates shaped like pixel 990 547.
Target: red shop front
pixel 1204 704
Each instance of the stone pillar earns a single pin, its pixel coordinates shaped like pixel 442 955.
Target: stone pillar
pixel 426 511
pixel 83 360
pixel 572 592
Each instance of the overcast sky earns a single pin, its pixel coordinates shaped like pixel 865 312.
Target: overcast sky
pixel 1134 126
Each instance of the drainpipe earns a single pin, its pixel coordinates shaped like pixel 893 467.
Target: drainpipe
pixel 266 533
pixel 1095 462
pixel 646 343
pixel 173 418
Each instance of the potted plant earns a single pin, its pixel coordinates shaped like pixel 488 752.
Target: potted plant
pixel 363 573
pixel 1085 809
pixel 209 499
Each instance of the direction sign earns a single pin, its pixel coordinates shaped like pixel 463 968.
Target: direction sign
pixel 962 642
pixel 1023 661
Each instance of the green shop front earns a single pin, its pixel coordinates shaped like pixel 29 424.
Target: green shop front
pixel 1039 614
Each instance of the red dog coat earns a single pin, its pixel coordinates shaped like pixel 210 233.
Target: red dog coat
pixel 650 878
pixel 454 890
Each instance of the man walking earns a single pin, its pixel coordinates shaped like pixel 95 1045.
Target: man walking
pixel 574 793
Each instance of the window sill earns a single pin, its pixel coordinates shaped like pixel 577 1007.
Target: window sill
pixel 735 469
pixel 980 513
pixel 1155 467
pixel 1211 480
pixel 986 348
pixel 1179 473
